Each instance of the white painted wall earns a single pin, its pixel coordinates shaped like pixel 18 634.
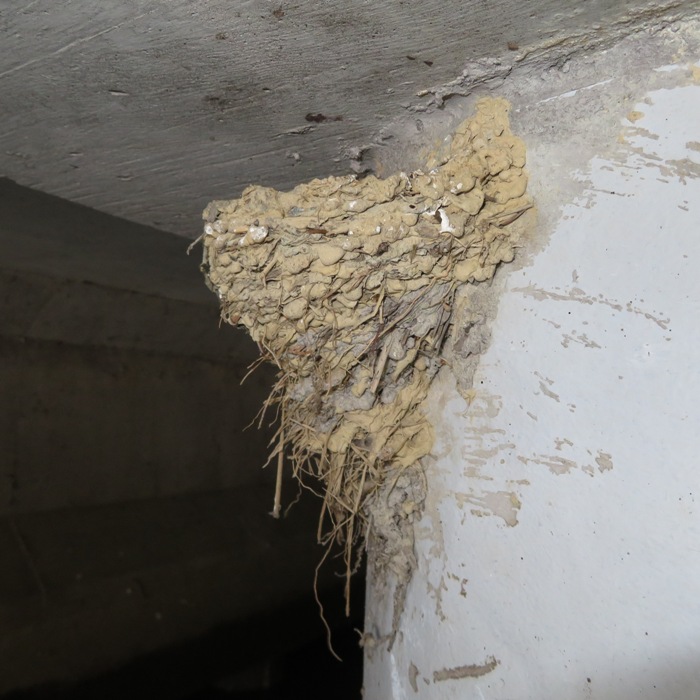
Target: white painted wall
pixel 559 551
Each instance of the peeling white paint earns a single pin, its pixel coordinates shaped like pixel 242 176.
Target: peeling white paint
pixel 585 410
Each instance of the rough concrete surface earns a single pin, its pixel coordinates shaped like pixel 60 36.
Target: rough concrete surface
pixel 81 425
pixel 86 590
pixel 131 499
pixel 148 110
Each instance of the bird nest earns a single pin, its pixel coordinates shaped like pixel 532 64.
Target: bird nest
pixel 347 286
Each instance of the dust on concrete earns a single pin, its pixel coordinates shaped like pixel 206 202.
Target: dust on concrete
pixel 348 286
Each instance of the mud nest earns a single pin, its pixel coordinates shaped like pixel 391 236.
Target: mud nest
pixel 347 286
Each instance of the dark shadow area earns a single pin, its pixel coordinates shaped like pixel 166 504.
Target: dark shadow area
pixel 47 235
pixel 138 556
pixel 281 654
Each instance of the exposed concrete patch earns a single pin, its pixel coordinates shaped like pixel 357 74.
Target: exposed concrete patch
pixel 578 295
pixel 545 384
pixel 413 674
pixel 467 671
pixel 604 461
pixel 556 464
pixel 502 504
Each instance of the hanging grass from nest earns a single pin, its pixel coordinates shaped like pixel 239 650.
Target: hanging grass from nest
pixel 347 286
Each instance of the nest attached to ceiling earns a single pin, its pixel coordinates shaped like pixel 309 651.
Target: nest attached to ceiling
pixel 347 286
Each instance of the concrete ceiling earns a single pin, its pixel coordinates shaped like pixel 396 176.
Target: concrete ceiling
pixel 148 109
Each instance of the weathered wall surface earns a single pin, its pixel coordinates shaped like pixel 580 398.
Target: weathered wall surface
pixel 133 507
pixel 86 590
pixel 148 110
pixel 559 545
pixel 116 379
pixel 85 425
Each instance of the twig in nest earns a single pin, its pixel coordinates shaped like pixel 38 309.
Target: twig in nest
pixel 329 641
pixel 278 483
pixel 509 217
pixel 192 245
pixel 379 369
pixel 253 366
